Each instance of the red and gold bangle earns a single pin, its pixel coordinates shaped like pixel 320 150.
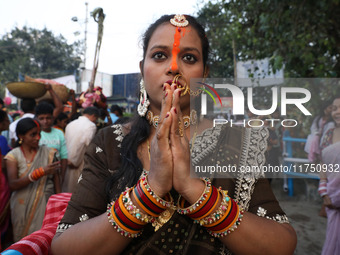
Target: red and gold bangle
pixel 227 224
pixel 219 212
pixel 132 221
pixel 133 210
pixel 209 207
pixel 37 174
pixel 225 221
pixel 149 199
pixel 120 222
pixel 143 201
pixel 195 207
pixel 160 202
pixel 227 231
pixel 223 216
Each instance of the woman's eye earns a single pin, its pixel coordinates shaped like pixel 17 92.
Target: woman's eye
pixel 190 58
pixel 159 55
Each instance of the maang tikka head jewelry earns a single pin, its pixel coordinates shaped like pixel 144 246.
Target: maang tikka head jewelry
pixel 179 20
pixel 143 100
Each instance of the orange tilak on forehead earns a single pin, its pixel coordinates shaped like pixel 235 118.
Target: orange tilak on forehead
pixel 175 48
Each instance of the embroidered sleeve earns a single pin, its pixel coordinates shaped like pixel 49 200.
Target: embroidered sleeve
pixel 252 155
pixel 90 199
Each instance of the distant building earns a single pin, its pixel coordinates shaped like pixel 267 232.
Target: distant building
pixel 125 91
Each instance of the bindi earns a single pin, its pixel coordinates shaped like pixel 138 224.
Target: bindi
pixel 180 22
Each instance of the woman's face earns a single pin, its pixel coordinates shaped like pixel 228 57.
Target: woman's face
pixel 159 59
pixel 328 110
pixel 4 124
pixel 31 138
pixel 336 112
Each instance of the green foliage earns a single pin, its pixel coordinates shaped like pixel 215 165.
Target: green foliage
pixel 302 36
pixel 37 53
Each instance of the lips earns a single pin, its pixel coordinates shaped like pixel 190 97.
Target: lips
pixel 170 82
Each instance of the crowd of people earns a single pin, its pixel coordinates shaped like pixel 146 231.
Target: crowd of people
pixel 41 155
pixel 131 182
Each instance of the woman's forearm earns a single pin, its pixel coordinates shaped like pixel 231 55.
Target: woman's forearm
pixel 94 236
pixel 261 236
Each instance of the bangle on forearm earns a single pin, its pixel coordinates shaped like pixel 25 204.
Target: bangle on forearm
pixel 228 222
pixel 199 204
pixel 30 177
pixel 122 220
pixel 36 174
pixel 167 202
pixel 215 214
pixel 133 210
pixel 145 198
pixel 209 207
pixel 322 188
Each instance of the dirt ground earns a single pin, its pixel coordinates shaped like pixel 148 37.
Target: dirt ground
pixel 302 210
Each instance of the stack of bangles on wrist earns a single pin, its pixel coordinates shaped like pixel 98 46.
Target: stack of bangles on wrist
pixel 129 221
pixel 322 188
pixel 223 221
pixel 36 174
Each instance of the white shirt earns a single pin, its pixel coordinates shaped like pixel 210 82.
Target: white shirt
pixel 78 135
pixel 13 125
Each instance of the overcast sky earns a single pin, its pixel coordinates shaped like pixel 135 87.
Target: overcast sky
pixel 124 24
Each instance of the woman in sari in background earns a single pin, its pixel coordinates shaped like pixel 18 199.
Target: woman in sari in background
pixel 32 177
pixel 4 189
pixel 329 187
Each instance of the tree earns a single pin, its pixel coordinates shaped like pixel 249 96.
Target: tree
pixel 304 36
pixel 37 53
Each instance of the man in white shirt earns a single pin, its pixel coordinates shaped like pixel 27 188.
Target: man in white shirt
pixel 78 135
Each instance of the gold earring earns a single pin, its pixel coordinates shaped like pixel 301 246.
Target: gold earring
pixel 20 141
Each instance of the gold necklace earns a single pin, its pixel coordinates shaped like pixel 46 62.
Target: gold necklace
pixel 187 120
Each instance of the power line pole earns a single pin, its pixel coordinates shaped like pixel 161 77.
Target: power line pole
pixel 86 21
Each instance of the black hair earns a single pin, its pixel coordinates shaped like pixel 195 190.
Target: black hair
pixel 116 108
pixel 3 115
pixel 131 167
pixel 24 125
pixel 60 117
pixel 75 116
pixel 28 104
pixel 323 107
pixel 44 108
pixel 91 110
pixel 2 101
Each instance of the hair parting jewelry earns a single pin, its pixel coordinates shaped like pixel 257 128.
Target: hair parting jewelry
pixel 179 20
